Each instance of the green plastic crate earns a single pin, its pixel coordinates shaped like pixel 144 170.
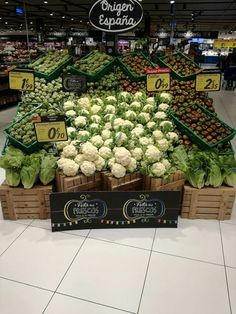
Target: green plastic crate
pixel 134 77
pixel 98 75
pixel 54 74
pixel 197 139
pixel 227 153
pixel 176 75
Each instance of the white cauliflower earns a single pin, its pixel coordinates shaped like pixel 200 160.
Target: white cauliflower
pixel 163 144
pixel 158 135
pixel 120 138
pixel 118 170
pixel 108 126
pixel 97 141
pixel 122 156
pixel 83 135
pixel 111 162
pixel 135 105
pixel 144 117
pixel 80 121
pixel 144 141
pixel 130 115
pixel 89 151
pixel 128 125
pixel 95 118
pixel 68 105
pixel 106 134
pixel 105 152
pixel 95 109
pixel 132 166
pixel 166 126
pixel 165 97
pixel 79 159
pixel 163 107
pixel 166 163
pixel 138 95
pixel 125 95
pixel 111 99
pixel 148 108
pixel 69 151
pixel 118 123
pixel 109 117
pixel 70 130
pixel 70 168
pixel 173 137
pixel 97 101
pixel 137 132
pixel 88 168
pixel 99 163
pixel 70 113
pixel 153 154
pixel 84 102
pixel 160 115
pixel 61 145
pixel 94 126
pixel 151 125
pixel 61 162
pixel 137 153
pixel 150 100
pixel 108 143
pixel 110 109
pixel 158 169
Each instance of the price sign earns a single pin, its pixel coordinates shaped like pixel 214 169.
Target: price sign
pixel 208 82
pixel 50 129
pixel 74 83
pixel 158 80
pixel 21 80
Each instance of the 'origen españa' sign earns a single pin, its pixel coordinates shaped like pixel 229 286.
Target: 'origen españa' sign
pixel 116 16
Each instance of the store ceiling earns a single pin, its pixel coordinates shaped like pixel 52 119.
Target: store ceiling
pixel 207 15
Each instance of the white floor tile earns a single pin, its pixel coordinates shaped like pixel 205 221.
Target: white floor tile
pixel 108 274
pixel 61 304
pixel 231 275
pixel 9 231
pixel 46 224
pixel 39 257
pixel 141 238
pixel 229 243
pixel 181 286
pixel 16 298
pixel 197 239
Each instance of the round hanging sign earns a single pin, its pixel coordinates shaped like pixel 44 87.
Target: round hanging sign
pixel 115 16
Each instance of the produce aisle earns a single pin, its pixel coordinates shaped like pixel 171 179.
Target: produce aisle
pixel 144 271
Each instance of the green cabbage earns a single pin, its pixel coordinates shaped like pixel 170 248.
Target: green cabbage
pixel 48 169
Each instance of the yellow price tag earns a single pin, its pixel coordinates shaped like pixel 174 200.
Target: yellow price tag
pixel 158 80
pixel 21 80
pixel 51 131
pixel 208 82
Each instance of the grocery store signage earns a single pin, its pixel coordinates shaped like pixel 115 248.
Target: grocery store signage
pixel 20 11
pixel 116 16
pixel 209 81
pixel 21 80
pixel 158 79
pixel 85 210
pixel 74 83
pixel 221 43
pixel 50 129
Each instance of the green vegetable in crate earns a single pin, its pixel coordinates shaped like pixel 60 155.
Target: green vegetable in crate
pixel 12 162
pixel 48 168
pixel 48 63
pixel 228 166
pixel 30 170
pixel 108 83
pixel 93 63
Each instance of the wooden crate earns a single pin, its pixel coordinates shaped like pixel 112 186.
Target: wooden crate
pixel 78 183
pixel 208 203
pixel 20 203
pixel 130 182
pixel 175 183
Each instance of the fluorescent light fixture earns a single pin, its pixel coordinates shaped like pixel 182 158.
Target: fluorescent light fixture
pixel 51 14
pixel 172 1
pixel 45 2
pixel 63 17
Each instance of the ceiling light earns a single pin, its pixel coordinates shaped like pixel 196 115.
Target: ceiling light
pixel 72 19
pixel 6 22
pixel 63 17
pixel 172 1
pixel 51 14
pixel 31 23
pixel 6 2
pixel 45 2
pixel 81 21
pixel 0 18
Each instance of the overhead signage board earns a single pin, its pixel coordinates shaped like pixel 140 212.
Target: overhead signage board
pixel 116 16
pixel 19 11
pixel 86 210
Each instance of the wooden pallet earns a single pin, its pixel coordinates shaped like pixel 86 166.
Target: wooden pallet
pixel 208 203
pixel 20 203
pixel 78 183
pixel 130 182
pixel 175 183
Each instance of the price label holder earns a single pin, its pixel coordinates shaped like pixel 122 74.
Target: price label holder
pixel 21 79
pixel 158 80
pixel 74 83
pixel 208 81
pixel 50 129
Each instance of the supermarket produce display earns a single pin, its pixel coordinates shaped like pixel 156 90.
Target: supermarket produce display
pixel 119 136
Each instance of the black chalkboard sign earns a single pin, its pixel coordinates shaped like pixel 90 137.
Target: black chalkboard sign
pixel 74 83
pixel 116 16
pixel 88 210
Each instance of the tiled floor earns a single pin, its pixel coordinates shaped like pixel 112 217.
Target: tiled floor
pixel 189 270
